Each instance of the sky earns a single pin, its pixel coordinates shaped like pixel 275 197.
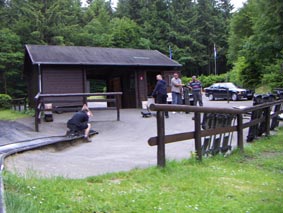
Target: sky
pixel 237 3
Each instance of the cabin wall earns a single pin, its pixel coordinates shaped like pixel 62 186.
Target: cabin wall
pixel 32 79
pixel 59 80
pixel 141 85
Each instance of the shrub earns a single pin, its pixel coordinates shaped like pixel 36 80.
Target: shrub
pixel 5 101
pixel 273 76
pixel 211 79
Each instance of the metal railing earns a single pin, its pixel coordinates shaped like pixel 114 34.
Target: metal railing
pixel 161 139
pixel 109 97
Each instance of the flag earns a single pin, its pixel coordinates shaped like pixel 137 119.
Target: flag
pixel 170 52
pixel 215 51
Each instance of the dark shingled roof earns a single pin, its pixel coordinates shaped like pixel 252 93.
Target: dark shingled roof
pixel 75 55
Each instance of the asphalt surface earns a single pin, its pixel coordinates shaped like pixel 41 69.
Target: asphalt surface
pixel 119 146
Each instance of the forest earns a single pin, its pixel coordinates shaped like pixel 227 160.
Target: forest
pixel 247 44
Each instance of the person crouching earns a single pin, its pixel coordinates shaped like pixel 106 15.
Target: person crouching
pixel 80 122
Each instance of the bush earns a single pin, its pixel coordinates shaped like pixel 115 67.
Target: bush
pixel 208 80
pixel 211 79
pixel 273 76
pixel 5 101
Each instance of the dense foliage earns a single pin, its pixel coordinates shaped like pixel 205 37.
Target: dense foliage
pixel 5 101
pixel 256 43
pixel 189 29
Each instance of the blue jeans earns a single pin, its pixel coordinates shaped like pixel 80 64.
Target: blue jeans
pixel 176 98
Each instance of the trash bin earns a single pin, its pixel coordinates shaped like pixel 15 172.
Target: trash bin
pixel 150 100
pixel 188 97
pixel 48 114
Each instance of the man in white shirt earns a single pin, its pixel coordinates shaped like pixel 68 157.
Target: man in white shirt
pixel 176 89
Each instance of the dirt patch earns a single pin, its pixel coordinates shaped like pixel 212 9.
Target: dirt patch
pixel 270 154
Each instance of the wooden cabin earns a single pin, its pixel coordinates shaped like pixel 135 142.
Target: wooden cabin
pixel 77 69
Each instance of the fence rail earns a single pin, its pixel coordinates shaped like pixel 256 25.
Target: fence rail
pixel 19 104
pixel 268 113
pixel 41 99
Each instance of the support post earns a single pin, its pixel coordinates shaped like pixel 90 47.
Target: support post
pixel 267 120
pixel 118 106
pixel 36 114
pixel 197 136
pixel 160 136
pixel 240 143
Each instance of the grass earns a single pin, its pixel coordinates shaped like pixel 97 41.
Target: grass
pixel 249 182
pixel 96 97
pixel 7 114
pixel 263 89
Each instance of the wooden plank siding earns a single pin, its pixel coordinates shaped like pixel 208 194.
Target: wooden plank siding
pixel 57 80
pixel 31 78
pixel 141 84
pixel 32 86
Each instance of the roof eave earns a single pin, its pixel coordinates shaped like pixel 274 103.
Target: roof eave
pixel 91 64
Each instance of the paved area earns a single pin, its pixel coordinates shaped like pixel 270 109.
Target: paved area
pixel 119 146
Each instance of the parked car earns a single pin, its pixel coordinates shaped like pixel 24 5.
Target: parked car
pixel 227 90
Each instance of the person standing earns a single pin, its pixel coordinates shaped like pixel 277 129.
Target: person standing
pixel 176 89
pixel 160 92
pixel 196 87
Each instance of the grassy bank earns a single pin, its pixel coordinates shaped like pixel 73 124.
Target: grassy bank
pixel 249 182
pixel 13 115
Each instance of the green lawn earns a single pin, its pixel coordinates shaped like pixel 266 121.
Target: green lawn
pixel 13 115
pixel 249 182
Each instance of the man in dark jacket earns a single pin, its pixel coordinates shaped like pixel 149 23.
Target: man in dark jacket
pixel 79 122
pixel 160 92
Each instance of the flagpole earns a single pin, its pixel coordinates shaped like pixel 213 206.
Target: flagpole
pixel 215 72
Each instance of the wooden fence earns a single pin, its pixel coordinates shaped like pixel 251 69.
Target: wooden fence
pixel 19 104
pixel 113 98
pixel 268 114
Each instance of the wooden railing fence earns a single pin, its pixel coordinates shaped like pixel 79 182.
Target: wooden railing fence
pixel 109 97
pixel 19 104
pixel 265 120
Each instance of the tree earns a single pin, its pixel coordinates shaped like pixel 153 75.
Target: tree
pixel 125 33
pixel 182 34
pixel 96 31
pixel 11 59
pixel 189 28
pixel 256 35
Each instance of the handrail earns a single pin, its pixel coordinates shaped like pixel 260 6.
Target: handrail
pixel 184 108
pixel 80 94
pixel 39 100
pixel 161 139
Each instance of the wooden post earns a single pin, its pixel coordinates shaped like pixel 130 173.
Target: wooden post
pixel 160 136
pixel 197 136
pixel 117 106
pixel 36 113
pixel 25 104
pixel 240 132
pixel 267 120
pixel 228 98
